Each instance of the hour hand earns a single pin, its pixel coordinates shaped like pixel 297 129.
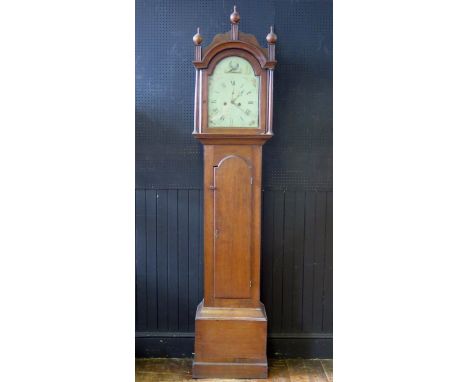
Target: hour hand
pixel 242 92
pixel 246 112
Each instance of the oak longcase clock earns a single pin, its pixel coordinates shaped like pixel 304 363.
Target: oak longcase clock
pixel 233 119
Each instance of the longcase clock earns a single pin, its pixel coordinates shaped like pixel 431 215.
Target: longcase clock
pixel 233 119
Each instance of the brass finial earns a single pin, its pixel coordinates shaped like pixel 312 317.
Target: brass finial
pixel 271 37
pixel 235 16
pixel 197 38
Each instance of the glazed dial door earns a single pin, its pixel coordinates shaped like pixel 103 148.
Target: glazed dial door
pixel 233 94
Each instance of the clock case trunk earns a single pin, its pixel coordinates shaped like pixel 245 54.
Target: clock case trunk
pixel 230 322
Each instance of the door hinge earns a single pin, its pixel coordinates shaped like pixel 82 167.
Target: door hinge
pixel 251 283
pixel 251 180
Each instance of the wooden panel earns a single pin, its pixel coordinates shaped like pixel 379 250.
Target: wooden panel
pixel 319 253
pixel 308 261
pixel 288 260
pixel 327 320
pixel 200 249
pixel 298 271
pixel 277 271
pixel 151 276
pixel 183 252
pixel 227 371
pixel 267 252
pixel 140 259
pixel 161 212
pixel 224 340
pixel 232 225
pixel 236 336
pixel 194 239
pixel 172 262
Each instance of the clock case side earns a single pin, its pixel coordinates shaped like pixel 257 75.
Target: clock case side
pixel 262 62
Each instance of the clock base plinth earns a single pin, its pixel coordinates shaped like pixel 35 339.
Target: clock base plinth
pixel 230 343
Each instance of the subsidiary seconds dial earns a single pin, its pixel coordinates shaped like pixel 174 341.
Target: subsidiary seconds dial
pixel 233 91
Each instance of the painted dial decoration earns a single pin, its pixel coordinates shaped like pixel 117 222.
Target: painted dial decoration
pixel 233 92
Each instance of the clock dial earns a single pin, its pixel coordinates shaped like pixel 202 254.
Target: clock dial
pixel 233 92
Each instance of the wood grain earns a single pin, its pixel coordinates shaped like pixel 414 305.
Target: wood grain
pixel 230 343
pixel 233 217
pixel 232 346
pixel 280 370
pixel 232 206
pixel 327 365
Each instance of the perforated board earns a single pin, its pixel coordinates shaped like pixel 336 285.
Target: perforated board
pixel 299 156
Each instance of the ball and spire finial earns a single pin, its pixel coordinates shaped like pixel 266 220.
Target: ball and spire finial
pixel 235 16
pixel 197 38
pixel 271 37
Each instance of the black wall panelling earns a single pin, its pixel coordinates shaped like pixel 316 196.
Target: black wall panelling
pixel 297 174
pixel 296 269
pixel 168 259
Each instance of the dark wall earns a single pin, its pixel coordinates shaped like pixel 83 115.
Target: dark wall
pixel 297 174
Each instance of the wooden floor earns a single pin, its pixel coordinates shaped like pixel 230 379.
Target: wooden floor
pixel 179 369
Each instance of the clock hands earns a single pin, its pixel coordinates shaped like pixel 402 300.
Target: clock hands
pixel 246 112
pixel 233 99
pixel 221 109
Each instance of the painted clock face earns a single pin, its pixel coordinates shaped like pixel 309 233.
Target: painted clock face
pixel 233 93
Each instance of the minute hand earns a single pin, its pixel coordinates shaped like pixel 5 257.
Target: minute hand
pixel 239 108
pixel 232 100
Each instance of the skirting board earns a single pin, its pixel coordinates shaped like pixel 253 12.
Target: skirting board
pixel 181 345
